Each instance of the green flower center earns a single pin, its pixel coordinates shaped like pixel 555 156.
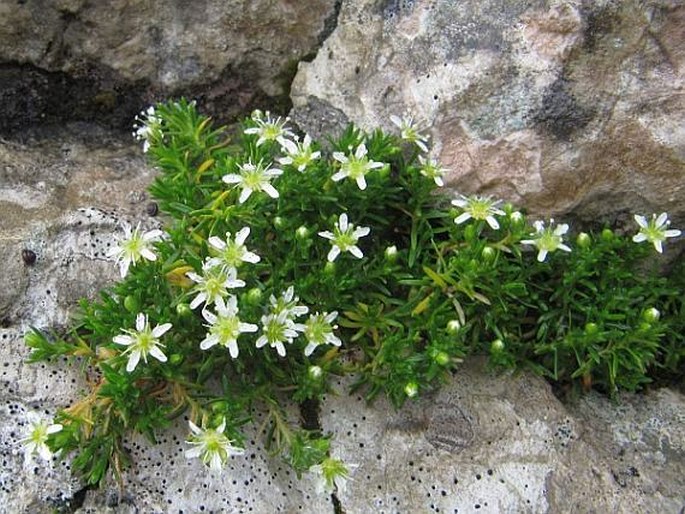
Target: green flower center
pixel 654 233
pixel 357 167
pixel 253 179
pixel 227 328
pixel 233 254
pixel 549 241
pixel 271 131
pixel 214 286
pixel 345 240
pixel 274 331
pixel 479 209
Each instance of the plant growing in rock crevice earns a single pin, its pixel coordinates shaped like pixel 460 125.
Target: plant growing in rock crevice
pixel 283 265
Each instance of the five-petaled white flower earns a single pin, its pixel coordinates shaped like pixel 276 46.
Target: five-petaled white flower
pixel 331 474
pixel 355 166
pixel 548 239
pixel 35 441
pixel 287 303
pixel 431 169
pixel 225 326
pixel 134 246
pixel 344 238
pixel 410 131
pixel 142 341
pixel 278 329
pixel 254 177
pixel 298 155
pixel 214 283
pixel 318 330
pixel 147 128
pixel 269 129
pixel 211 446
pixel 478 208
pixel 231 253
pixel 655 230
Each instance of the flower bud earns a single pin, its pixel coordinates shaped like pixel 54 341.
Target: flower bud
pixel 497 346
pixel 651 315
pixel 442 358
pixel 453 326
pixel 254 296
pixel 315 372
pixel 516 217
pixel 411 389
pixel 278 222
pixel 302 232
pixel 131 304
pixel 329 268
pixel 183 310
pixel 488 253
pixel 257 114
pixel 391 254
pixel 176 358
pixel 607 234
pixel 591 328
pixel 584 240
pixel 105 353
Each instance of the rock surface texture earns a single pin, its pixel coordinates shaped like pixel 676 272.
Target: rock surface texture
pixel 569 107
pixel 555 105
pixel 102 61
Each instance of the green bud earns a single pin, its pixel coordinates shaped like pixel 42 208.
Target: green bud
pixel 329 268
pixel 302 232
pixel 584 240
pixel 391 254
pixel 453 326
pixel 278 222
pixel 184 310
pixel 591 328
pixel 607 234
pixel 516 217
pixel 651 315
pixel 411 389
pixel 254 296
pixel 488 254
pixel 175 358
pixel 257 114
pixel 315 372
pixel 497 346
pixel 131 304
pixel 220 406
pixel 441 358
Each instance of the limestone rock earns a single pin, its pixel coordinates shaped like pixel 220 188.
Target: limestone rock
pixel 556 106
pixel 102 61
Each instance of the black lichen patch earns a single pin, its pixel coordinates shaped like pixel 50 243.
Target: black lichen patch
pixel 599 21
pixel 30 96
pixel 560 114
pixel 397 8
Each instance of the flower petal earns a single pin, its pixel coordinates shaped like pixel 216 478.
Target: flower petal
pixel 160 330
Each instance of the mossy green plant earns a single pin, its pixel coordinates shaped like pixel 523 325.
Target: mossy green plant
pixel 284 264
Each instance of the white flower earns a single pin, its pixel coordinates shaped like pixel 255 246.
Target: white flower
pixel 254 177
pixel 213 283
pixel 232 253
pixel 211 446
pixel 142 342
pixel 331 474
pixel 548 239
pixel 147 128
pixel 431 169
pixel 355 166
pixel 344 238
pixel 478 208
pixel 287 303
pixel 299 155
pixel 318 330
pixel 655 230
pixel 269 129
pixel 37 434
pixel 134 246
pixel 409 131
pixel 276 330
pixel 225 327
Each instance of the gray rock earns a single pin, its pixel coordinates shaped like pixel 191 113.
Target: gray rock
pixel 555 106
pixel 71 59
